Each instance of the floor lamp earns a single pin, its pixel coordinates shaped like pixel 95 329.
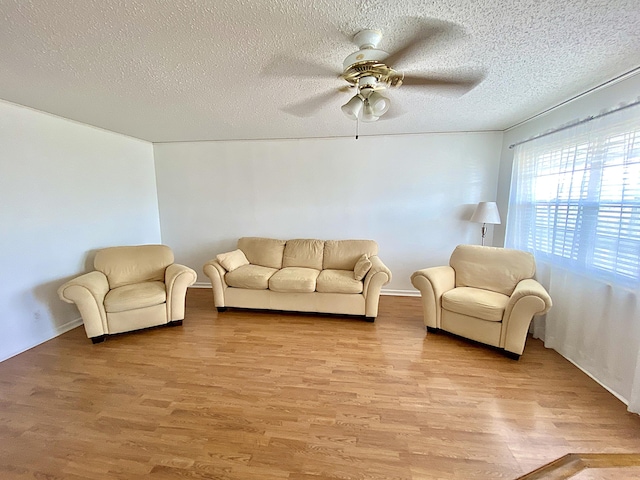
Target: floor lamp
pixel 486 212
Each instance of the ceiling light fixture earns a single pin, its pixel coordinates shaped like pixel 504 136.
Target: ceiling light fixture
pixel 368 114
pixel 367 105
pixel 353 107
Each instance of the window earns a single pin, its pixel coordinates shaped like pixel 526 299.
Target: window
pixel 575 197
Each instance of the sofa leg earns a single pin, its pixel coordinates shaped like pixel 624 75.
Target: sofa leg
pixel 370 319
pixel 175 323
pixel 432 329
pixel 222 309
pixel 98 339
pixel 512 355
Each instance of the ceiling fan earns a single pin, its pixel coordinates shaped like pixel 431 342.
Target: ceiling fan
pixel 369 71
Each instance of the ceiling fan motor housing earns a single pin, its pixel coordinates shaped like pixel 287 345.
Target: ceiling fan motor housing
pixel 369 55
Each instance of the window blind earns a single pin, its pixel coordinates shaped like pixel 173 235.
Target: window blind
pixel 575 197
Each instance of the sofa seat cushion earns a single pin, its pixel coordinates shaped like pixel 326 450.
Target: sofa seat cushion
pixel 338 281
pixel 136 295
pixel 294 280
pixel 476 302
pixel 254 277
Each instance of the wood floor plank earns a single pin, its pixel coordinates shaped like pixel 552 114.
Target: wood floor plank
pixel 247 395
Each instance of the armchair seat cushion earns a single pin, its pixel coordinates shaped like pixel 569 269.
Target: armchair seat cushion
pixel 338 281
pixel 476 302
pixel 253 277
pixel 134 296
pixel 294 279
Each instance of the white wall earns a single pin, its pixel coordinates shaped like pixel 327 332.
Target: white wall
pixel 413 194
pixel 66 189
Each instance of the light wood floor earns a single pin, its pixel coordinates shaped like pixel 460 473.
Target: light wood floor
pixel 254 395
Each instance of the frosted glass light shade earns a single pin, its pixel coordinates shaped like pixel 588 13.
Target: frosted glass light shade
pixel 367 113
pixel 486 212
pixel 378 103
pixel 353 107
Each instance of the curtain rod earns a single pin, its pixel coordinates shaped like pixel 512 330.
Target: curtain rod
pixel 575 124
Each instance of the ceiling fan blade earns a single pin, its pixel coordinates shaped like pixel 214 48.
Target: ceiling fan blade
pixel 293 67
pixel 451 83
pixel 426 34
pixel 309 106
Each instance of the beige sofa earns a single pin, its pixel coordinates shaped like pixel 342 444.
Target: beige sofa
pixel 486 294
pixel 132 287
pixel 304 275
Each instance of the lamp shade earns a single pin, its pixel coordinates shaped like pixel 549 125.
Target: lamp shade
pixel 378 103
pixel 367 113
pixel 353 107
pixel 486 212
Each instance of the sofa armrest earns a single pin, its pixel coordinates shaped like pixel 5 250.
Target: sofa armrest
pixel 87 292
pixel 177 278
pixel 433 283
pixel 376 277
pixel 527 300
pixel 216 272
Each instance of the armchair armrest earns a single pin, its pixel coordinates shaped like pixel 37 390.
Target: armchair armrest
pixel 433 283
pixel 378 276
pixel 177 278
pixel 527 300
pixel 216 272
pixel 87 292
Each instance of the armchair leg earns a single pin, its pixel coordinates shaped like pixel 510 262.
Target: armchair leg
pixel 370 319
pixel 98 339
pixel 432 329
pixel 222 309
pixel 175 323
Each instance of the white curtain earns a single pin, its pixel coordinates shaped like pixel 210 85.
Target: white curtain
pixel 575 204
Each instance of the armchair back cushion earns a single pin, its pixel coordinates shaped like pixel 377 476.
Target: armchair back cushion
pixel 133 264
pixel 491 268
pixel 265 252
pixel 344 254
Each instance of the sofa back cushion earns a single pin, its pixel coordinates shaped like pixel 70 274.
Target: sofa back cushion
pixel 491 268
pixel 266 252
pixel 344 254
pixel 303 253
pixel 135 264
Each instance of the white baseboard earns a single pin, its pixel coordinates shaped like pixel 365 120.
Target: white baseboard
pixel 612 392
pixel 384 291
pixel 59 330
pixel 400 293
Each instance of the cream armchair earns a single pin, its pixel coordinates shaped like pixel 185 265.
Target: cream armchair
pixel 486 294
pixel 131 288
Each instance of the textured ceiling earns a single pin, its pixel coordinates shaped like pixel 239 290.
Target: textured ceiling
pixel 209 70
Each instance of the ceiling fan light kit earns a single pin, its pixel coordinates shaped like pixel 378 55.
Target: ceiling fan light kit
pixel 367 105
